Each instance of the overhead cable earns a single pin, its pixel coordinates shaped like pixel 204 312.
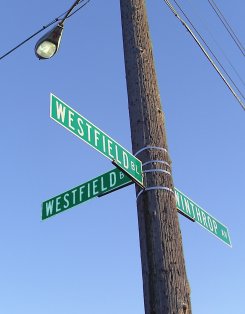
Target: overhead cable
pixel 59 18
pixel 78 8
pixel 227 26
pixel 209 49
pixel 205 52
pixel 201 17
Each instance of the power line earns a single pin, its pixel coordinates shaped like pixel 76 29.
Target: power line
pixel 205 52
pixel 43 28
pixel 227 26
pixel 78 8
pixel 201 17
pixel 209 49
pixel 29 38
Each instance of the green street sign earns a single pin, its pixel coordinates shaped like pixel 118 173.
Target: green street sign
pixel 196 213
pixel 99 186
pixel 99 140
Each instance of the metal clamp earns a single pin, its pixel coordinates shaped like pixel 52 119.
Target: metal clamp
pixel 158 161
pixel 157 170
pixel 150 147
pixel 165 188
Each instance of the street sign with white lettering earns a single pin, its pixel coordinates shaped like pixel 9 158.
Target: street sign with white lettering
pixel 196 213
pixel 104 184
pixel 88 132
pixel 116 179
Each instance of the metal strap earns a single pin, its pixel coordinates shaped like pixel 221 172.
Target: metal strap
pixel 154 188
pixel 150 147
pixel 157 170
pixel 159 161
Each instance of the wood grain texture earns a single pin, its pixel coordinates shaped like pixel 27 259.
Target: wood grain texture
pixel 165 284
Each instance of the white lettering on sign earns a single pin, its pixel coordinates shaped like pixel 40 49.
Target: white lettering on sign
pixel 81 192
pixel 89 194
pixel 204 220
pixel 103 188
pixel 74 195
pixel 210 224
pixel 95 187
pixel 192 208
pixel 199 218
pixel 70 120
pixel 121 174
pixel 110 148
pixel 177 197
pixel 49 208
pixel 113 179
pixel 187 207
pixel 57 204
pixel 104 146
pixel 96 138
pixel 125 160
pixel 89 131
pixel 198 214
pixel 60 111
pixel 224 234
pixel 117 159
pixel 66 200
pixel 80 130
pixel 215 226
pixel 93 136
pixel 134 167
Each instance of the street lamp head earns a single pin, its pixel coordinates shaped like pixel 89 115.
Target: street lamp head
pixel 49 44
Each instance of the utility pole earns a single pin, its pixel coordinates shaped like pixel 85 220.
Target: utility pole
pixel 165 284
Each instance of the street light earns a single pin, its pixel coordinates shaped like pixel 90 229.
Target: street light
pixel 49 44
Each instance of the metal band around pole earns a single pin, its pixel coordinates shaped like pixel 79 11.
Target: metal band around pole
pixel 157 170
pixel 158 161
pixel 165 188
pixel 150 147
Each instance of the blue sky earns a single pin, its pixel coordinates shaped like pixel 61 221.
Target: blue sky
pixel 87 259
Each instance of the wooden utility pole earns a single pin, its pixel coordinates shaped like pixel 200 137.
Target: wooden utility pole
pixel 165 285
